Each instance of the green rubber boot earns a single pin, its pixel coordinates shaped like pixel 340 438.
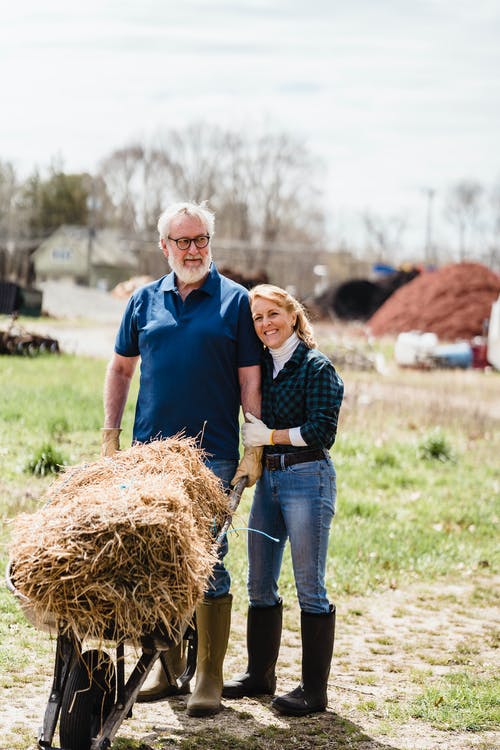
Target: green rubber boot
pixel 163 682
pixel 213 621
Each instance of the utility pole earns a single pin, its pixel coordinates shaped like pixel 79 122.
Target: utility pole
pixel 429 250
pixel 91 206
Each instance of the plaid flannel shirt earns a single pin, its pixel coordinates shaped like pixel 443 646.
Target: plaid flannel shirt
pixel 306 393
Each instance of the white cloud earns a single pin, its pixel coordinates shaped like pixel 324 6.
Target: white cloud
pixel 392 95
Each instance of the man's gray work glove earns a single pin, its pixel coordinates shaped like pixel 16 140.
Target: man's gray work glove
pixel 110 440
pixel 250 466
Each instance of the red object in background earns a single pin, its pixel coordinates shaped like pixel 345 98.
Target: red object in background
pixel 452 302
pixel 479 348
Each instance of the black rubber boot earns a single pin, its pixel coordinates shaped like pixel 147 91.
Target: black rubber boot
pixel 263 644
pixel 318 632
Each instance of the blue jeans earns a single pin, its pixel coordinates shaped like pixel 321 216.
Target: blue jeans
pixel 296 503
pixel 220 580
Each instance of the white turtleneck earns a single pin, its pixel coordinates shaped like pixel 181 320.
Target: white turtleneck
pixel 281 355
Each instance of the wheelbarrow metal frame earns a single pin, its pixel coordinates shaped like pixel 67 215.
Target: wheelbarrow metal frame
pixel 69 650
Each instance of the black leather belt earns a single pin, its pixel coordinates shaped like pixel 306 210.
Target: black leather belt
pixel 277 461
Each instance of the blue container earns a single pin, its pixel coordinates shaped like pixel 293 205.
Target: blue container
pixel 383 269
pixel 453 355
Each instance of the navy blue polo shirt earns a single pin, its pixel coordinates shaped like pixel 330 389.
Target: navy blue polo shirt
pixel 190 354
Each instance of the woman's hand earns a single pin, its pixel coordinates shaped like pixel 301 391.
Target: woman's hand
pixel 255 432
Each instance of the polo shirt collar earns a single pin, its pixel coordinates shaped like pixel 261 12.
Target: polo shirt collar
pixel 209 286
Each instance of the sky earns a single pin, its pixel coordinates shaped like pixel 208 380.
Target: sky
pixel 394 97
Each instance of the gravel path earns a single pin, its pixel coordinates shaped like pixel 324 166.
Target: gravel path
pixel 84 321
pixel 70 301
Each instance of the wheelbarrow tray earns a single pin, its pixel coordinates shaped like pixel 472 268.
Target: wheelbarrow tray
pixel 88 686
pixel 90 695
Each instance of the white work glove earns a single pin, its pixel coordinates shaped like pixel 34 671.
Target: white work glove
pixel 250 466
pixel 255 432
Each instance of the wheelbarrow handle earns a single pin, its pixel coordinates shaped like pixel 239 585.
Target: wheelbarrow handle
pixel 234 500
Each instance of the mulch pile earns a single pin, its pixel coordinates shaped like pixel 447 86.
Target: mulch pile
pixel 123 545
pixel 452 302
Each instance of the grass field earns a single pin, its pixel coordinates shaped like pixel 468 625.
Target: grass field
pixel 417 521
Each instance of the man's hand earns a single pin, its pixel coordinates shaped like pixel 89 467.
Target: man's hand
pixel 250 466
pixel 255 432
pixel 110 440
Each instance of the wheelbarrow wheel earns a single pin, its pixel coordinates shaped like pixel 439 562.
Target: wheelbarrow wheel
pixel 88 698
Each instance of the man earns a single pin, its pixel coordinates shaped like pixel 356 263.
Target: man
pixel 193 332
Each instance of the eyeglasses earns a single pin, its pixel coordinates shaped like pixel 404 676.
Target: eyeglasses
pixel 184 243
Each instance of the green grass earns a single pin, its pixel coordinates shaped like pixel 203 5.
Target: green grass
pixel 45 401
pixel 460 701
pixel 46 460
pixel 418 502
pixel 405 518
pixel 403 512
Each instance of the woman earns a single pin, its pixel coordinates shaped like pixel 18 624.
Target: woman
pixel 294 499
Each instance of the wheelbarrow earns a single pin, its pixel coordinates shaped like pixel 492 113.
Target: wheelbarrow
pixel 90 695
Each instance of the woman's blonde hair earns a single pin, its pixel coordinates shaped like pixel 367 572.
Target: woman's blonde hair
pixel 283 299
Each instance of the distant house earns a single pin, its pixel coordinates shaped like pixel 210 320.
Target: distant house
pixel 98 258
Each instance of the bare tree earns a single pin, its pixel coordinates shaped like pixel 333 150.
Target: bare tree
pixel 9 190
pixel 100 207
pixel 263 189
pixel 285 199
pixel 16 214
pixel 8 227
pixel 192 158
pixel 492 238
pixel 384 234
pixel 155 187
pixel 121 172
pixel 463 210
pixel 233 190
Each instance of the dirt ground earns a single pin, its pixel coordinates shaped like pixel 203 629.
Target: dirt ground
pixel 388 647
pixel 84 321
pixel 382 643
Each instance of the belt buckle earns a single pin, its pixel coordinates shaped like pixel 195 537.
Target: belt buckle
pixel 273 462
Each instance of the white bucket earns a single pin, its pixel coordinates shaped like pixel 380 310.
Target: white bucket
pixel 414 348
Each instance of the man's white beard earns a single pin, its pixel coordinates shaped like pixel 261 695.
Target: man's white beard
pixel 190 275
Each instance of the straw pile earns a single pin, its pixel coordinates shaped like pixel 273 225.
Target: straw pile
pixel 123 545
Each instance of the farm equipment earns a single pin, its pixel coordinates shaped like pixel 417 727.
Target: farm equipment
pixel 15 339
pixel 91 695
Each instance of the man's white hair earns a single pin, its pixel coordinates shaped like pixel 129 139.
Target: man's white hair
pixel 198 210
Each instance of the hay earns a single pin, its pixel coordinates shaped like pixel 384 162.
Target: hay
pixel 123 545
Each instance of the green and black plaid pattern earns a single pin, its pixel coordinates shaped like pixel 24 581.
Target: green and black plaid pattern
pixel 307 393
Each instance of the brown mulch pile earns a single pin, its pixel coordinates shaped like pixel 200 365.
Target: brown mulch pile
pixel 123 545
pixel 452 302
